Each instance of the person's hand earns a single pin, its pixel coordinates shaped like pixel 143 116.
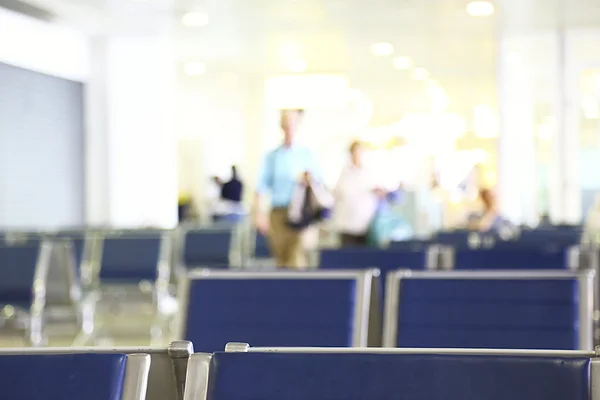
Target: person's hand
pixel 261 223
pixel 306 178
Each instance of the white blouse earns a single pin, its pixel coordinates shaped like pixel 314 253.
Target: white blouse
pixel 355 200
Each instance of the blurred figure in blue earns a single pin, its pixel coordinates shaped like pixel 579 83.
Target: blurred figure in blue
pixel 282 171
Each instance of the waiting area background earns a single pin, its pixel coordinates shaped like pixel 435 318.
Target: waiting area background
pixel 110 110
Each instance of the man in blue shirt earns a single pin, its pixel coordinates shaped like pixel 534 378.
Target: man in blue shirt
pixel 282 170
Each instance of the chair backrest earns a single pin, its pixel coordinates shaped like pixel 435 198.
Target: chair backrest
pixel 209 247
pixel 133 258
pixel 385 260
pixel 74 376
pixel 285 308
pixel 19 267
pixel 490 309
pixel 525 258
pixel 389 374
pixel 167 371
pixel 564 237
pixel 410 245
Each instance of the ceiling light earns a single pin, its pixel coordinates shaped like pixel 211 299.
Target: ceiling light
pixel 402 63
pixel 480 8
pixel 195 19
pixel 297 66
pixel 420 74
pixel 382 49
pixel 194 68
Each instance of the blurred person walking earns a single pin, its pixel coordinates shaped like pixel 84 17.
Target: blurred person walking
pixel 283 170
pixel 358 194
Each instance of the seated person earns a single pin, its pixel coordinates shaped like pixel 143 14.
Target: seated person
pixel 488 219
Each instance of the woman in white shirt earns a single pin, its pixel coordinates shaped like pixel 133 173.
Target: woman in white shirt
pixel 357 195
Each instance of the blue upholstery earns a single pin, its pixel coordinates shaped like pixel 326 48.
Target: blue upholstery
pixel 130 259
pixel 383 259
pixel 62 376
pixel 459 238
pixel 207 248
pixel 17 272
pixel 270 312
pixel 564 237
pixel 276 376
pixel 410 245
pixel 516 258
pixel 489 313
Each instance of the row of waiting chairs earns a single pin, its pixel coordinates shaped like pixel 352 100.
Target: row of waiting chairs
pixel 535 309
pixel 242 372
pixel 525 310
pixel 125 373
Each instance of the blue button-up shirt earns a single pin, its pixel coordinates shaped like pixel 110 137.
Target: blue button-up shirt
pixel 282 169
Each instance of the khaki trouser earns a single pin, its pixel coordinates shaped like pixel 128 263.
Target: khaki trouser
pixel 289 246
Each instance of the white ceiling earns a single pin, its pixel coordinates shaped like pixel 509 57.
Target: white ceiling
pixel 335 35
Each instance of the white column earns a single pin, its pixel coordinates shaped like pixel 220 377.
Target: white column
pixel 96 139
pixel 132 171
pixel 255 130
pixel 516 145
pixel 572 65
pixel 142 144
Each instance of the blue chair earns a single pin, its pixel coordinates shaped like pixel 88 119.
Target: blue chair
pixel 20 266
pixel 485 309
pixel 385 260
pixel 523 258
pixel 207 247
pixel 134 276
pixel 74 376
pixel 410 245
pixel 388 374
pixel 132 259
pixel 562 237
pixel 168 365
pixel 280 308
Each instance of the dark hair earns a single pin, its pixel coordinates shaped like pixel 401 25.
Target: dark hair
pixel 487 197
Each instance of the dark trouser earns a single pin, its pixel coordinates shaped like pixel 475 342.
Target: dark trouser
pixel 349 240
